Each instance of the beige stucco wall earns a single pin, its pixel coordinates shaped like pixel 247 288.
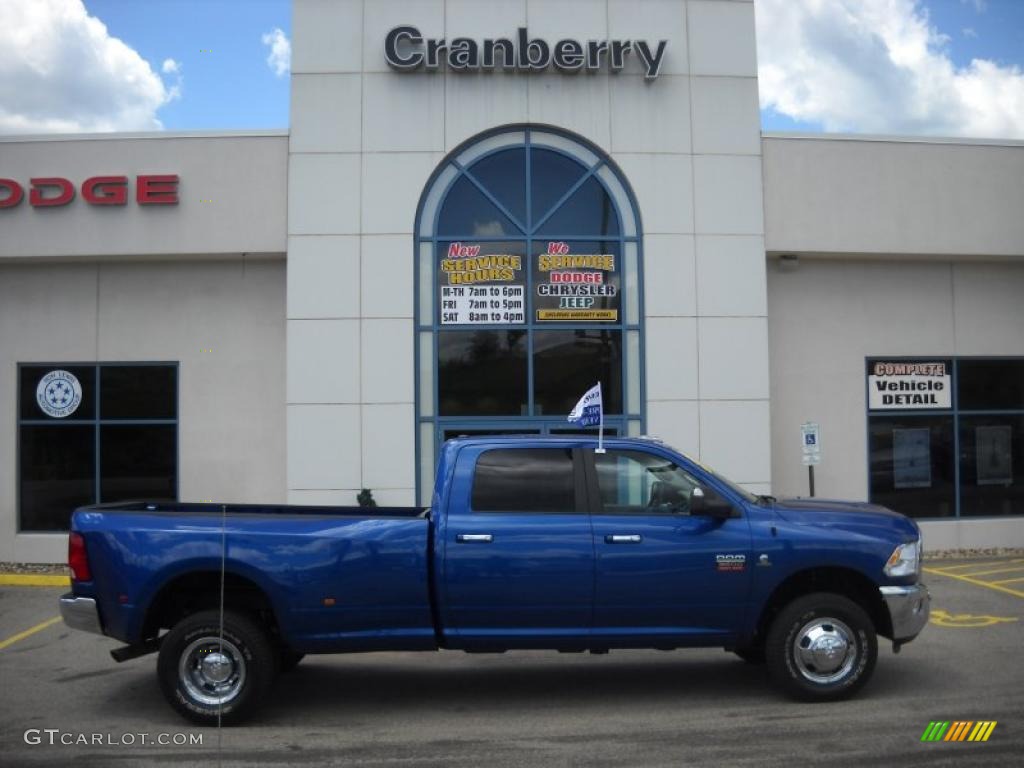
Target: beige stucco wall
pixel 232 192
pixel 850 195
pixel 231 398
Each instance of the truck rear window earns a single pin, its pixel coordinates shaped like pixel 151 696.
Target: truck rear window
pixel 524 480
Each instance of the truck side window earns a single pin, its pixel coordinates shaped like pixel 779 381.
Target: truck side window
pixel 524 480
pixel 633 482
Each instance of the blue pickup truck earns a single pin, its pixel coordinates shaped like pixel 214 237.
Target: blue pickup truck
pixel 549 543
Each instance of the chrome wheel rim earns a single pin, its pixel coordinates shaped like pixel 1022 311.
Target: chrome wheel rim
pixel 824 650
pixel 212 670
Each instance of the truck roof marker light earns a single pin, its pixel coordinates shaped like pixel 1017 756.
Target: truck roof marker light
pixel 329 601
pixel 78 558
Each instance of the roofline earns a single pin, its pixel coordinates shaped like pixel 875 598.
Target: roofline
pixel 143 135
pixel 895 139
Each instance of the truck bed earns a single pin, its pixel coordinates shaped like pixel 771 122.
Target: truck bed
pixel 337 577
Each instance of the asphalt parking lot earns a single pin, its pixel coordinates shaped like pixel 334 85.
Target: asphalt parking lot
pixel 629 708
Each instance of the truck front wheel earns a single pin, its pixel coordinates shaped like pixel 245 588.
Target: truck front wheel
pixel 205 674
pixel 821 647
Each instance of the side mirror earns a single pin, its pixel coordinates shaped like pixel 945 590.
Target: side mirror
pixel 710 504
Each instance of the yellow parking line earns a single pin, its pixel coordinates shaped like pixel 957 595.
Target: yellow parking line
pixel 975 565
pixel 28 632
pixel 33 580
pixel 1011 569
pixel 976 582
pixel 1008 581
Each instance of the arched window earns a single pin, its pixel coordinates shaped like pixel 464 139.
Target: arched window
pixel 528 291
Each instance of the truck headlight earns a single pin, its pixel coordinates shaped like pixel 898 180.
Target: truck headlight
pixel 904 560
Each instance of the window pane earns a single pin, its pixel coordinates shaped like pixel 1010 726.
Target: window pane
pixel 552 175
pixel 481 373
pixel 912 465
pixel 991 465
pixel 57 474
pixel 988 385
pixel 577 281
pixel 568 363
pixel 637 482
pixel 589 211
pixel 58 392
pixel 481 283
pixel 467 212
pixel 138 392
pixel 524 480
pixel 504 176
pixel 138 462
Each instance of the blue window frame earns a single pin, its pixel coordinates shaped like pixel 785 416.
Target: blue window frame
pixel 515 211
pixel 961 457
pixel 94 432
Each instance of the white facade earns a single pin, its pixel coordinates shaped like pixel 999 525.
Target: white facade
pixel 282 283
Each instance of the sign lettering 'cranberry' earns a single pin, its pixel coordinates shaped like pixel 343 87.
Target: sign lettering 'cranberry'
pixel 53 191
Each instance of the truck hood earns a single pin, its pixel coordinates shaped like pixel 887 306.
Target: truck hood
pixel 854 516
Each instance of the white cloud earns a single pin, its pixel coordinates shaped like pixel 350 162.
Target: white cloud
pixel 280 57
pixel 969 32
pixel 170 67
pixel 878 66
pixel 63 72
pixel 980 6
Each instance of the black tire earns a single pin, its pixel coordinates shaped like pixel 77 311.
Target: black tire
pixel 752 654
pixel 289 659
pixel 250 659
pixel 820 677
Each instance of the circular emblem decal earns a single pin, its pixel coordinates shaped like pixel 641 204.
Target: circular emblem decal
pixel 59 394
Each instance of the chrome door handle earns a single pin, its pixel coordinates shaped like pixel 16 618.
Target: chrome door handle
pixel 620 538
pixel 479 538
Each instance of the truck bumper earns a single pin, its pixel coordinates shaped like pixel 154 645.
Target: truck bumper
pixel 80 613
pixel 909 608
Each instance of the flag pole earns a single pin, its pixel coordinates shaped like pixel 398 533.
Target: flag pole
pixel 600 428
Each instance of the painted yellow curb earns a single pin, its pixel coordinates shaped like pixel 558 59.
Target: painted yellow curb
pixel 33 580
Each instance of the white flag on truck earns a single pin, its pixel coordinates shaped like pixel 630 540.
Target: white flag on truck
pixel 590 411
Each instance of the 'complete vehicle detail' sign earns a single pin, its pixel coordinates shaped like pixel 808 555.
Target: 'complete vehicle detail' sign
pixel 908 385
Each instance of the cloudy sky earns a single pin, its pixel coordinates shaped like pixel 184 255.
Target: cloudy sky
pixel 923 67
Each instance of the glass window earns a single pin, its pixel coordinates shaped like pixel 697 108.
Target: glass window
pixel 567 363
pixel 527 283
pixel 138 392
pixel 524 480
pixel 504 175
pixel 481 373
pixel 71 455
pixel 552 175
pixel 138 462
pixel 912 464
pixel 990 385
pixel 468 213
pixel 991 465
pixel 633 482
pixel 57 392
pixel 57 474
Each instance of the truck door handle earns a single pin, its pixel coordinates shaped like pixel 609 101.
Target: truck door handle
pixel 623 538
pixel 469 538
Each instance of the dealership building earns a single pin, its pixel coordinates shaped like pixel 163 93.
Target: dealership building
pixel 482 208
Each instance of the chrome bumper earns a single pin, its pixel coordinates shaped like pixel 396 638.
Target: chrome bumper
pixel 80 613
pixel 909 608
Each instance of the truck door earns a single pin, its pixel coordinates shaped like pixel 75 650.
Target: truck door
pixel 660 571
pixel 518 550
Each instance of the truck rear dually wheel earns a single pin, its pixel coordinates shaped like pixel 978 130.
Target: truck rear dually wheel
pixel 203 673
pixel 821 647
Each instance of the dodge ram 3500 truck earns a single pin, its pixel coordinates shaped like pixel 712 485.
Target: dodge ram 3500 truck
pixel 529 542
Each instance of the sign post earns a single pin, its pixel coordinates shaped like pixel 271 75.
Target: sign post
pixel 810 439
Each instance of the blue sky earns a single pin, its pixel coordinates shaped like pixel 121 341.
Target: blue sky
pixel 938 67
pixel 226 82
